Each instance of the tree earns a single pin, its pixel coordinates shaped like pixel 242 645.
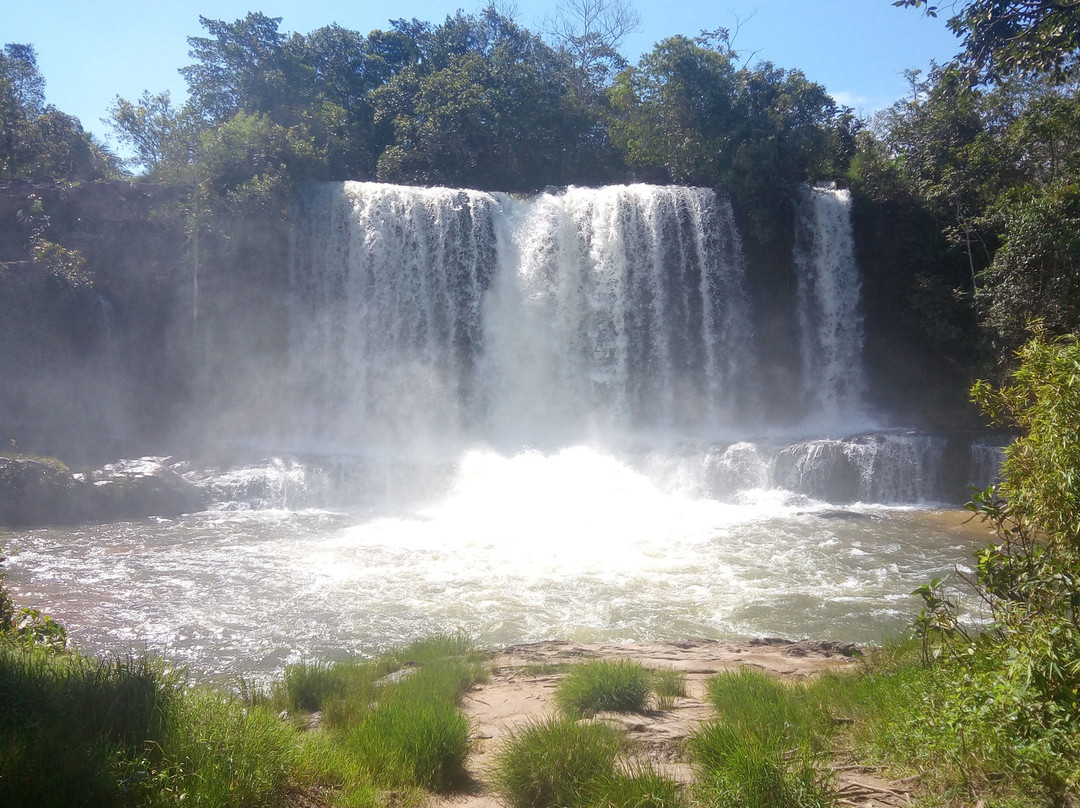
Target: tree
pixel 590 33
pixel 38 140
pixel 162 136
pixel 487 105
pixel 1003 37
pixel 686 114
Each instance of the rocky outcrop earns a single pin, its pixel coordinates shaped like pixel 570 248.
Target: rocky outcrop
pixel 36 492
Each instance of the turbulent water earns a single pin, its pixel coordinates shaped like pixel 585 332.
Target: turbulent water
pixel 572 545
pixel 530 418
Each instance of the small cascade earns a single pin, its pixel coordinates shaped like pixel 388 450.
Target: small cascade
pixel 987 455
pixel 883 467
pixel 115 429
pixel 736 468
pixel 274 484
pixel 830 324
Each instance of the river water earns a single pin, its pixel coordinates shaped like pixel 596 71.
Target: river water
pixel 572 544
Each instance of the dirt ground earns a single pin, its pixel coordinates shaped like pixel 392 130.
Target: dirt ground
pixel 524 679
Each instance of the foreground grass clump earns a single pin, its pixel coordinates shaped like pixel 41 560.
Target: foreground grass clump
pixel 387 724
pixel 668 685
pixel 559 762
pixel 618 685
pixel 765 748
pixel 79 731
pixel 65 720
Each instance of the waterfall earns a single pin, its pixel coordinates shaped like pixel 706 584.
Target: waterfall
pixel 828 290
pixel 620 308
pixel 435 315
pixel 427 321
pixel 386 319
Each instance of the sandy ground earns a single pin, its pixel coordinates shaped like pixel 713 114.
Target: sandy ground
pixel 524 679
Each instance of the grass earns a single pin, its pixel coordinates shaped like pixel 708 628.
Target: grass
pixel 66 719
pixel 77 731
pixel 668 686
pixel 556 762
pixel 589 688
pixel 764 749
pixel 574 764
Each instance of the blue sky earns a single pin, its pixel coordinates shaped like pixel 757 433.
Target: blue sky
pixel 90 52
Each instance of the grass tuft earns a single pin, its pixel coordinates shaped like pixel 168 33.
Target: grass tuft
pixel 668 685
pixel 589 688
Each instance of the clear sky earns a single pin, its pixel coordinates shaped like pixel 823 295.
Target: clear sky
pixel 90 52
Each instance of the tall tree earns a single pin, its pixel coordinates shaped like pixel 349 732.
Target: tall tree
pixel 590 32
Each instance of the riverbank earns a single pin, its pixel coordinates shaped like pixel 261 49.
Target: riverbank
pixel 524 679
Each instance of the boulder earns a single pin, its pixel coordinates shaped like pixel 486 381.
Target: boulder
pixel 36 492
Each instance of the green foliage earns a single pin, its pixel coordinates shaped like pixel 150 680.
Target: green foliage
pixel 591 687
pixel 1006 698
pixel 38 141
pixel 1035 274
pixel 547 764
pixel 1001 38
pixel 686 114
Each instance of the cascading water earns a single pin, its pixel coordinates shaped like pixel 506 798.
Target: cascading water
pixel 617 309
pixel 428 315
pixel 830 324
pixel 386 321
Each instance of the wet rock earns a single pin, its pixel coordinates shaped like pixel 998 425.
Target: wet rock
pixel 38 492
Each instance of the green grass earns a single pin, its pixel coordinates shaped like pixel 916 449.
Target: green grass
pixel 668 685
pixel 219 752
pixel 743 768
pixel 78 731
pixel 557 762
pixel 66 719
pixel 576 764
pixel 589 688
pixel 764 749
pixel 641 787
